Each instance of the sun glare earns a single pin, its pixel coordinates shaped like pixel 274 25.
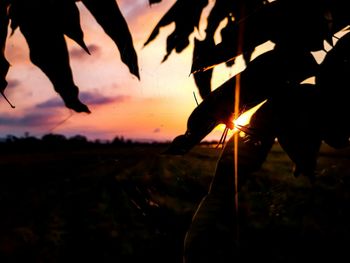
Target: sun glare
pixel 242 120
pixel 245 117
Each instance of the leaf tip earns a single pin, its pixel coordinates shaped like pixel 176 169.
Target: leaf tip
pixel 3 94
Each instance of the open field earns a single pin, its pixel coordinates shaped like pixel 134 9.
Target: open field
pixel 123 203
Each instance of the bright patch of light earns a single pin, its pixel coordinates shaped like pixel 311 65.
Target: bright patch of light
pixel 242 120
pixel 245 117
pixel 311 80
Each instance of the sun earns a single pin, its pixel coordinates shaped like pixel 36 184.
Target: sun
pixel 242 120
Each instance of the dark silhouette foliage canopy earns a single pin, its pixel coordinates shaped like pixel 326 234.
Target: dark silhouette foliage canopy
pixel 298 114
pixel 44 23
pixel 295 112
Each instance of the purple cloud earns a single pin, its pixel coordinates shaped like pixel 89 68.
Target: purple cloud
pixel 88 98
pixel 98 99
pixel 79 53
pixel 51 103
pixel 29 120
pixel 12 83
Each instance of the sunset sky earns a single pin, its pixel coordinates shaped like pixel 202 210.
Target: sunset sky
pixel 156 107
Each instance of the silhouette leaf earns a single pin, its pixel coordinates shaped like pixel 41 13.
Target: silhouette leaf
pixel 299 126
pixel 220 11
pixel 216 108
pixel 186 15
pixel 254 29
pixel 202 78
pixel 51 55
pixel 4 65
pixel 300 23
pixel 44 24
pixel 222 52
pixel 69 20
pixel 257 140
pixel 337 14
pixel 333 80
pixel 151 2
pixel 108 15
pixel 282 22
pixel 264 78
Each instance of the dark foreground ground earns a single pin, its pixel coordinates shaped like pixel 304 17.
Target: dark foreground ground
pixel 109 203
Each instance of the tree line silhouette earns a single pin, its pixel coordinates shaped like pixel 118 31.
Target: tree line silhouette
pixel 54 141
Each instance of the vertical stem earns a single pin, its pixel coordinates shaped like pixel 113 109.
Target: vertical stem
pixel 236 114
pixel 235 153
pixel 3 94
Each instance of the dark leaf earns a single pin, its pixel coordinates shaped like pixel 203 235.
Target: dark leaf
pixel 298 124
pixel 48 49
pixel 151 2
pixel 274 71
pixel 264 78
pixel 262 125
pixel 216 108
pixel 300 23
pixel 220 11
pixel 4 65
pixel 338 14
pixel 254 143
pixel 290 24
pixel 222 52
pixel 68 19
pixel 108 15
pixel 252 154
pixel 237 10
pixel 186 15
pixel 13 16
pixel 202 78
pixel 274 76
pixel 333 80
pixel 238 37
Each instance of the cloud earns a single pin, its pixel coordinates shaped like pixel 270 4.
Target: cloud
pixel 140 11
pixel 51 103
pixel 129 11
pixel 79 53
pixel 12 83
pixel 10 89
pixel 29 120
pixel 157 130
pixel 98 99
pixel 90 98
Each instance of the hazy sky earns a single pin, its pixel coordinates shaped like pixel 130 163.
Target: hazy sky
pixel 156 107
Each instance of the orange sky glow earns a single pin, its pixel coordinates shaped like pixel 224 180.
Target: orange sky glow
pixel 154 108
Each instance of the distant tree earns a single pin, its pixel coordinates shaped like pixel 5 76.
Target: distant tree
pixel 78 138
pixel 54 138
pixel 30 138
pixel 78 141
pixel 11 138
pixel 118 140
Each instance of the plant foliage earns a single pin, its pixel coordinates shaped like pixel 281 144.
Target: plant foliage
pixel 299 115
pixel 296 28
pixel 45 23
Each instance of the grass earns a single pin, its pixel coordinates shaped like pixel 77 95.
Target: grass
pixel 125 204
